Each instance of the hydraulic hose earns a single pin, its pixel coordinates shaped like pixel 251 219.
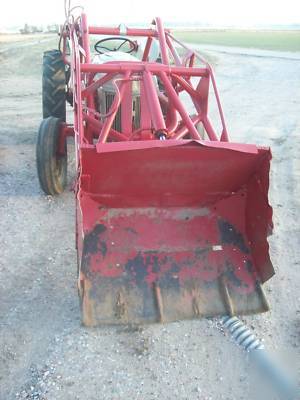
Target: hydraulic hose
pixel 245 338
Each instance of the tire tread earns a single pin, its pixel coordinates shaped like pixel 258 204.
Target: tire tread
pixel 54 85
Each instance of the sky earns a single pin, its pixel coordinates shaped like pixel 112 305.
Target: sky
pixel 242 13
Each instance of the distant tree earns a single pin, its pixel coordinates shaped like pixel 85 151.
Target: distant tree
pixel 25 30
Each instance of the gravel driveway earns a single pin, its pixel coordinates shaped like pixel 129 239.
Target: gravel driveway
pixel 44 351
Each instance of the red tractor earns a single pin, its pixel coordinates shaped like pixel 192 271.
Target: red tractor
pixel 171 218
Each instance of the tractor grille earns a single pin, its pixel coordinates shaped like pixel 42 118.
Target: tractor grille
pixel 136 108
pixel 136 111
pixel 109 98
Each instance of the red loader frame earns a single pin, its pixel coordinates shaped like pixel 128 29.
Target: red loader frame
pixel 135 263
pixel 175 73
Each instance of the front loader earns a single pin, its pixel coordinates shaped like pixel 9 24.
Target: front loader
pixel 172 218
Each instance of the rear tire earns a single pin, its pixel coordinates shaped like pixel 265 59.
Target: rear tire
pixel 54 85
pixel 51 167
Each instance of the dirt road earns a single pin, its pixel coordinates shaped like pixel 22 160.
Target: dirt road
pixel 44 351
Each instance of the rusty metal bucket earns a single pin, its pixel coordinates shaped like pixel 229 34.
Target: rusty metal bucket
pixel 170 230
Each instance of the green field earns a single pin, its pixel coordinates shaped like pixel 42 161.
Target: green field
pixel 269 40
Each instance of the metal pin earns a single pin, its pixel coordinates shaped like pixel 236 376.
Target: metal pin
pixel 161 135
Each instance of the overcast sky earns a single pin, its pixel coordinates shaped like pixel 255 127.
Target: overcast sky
pixel 218 12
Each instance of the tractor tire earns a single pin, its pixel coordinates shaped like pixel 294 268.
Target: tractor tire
pixel 51 167
pixel 54 85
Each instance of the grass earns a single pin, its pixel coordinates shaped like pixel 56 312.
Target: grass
pixel 268 40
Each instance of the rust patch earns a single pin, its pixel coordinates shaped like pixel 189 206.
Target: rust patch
pixel 263 298
pixel 92 244
pixel 226 296
pixel 196 307
pixel 87 304
pixel 159 302
pixel 229 235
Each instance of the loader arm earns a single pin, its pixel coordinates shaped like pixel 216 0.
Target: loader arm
pixel 172 219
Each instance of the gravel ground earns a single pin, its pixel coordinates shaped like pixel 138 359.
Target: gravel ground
pixel 44 351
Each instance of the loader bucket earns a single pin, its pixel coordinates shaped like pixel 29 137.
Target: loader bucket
pixel 171 230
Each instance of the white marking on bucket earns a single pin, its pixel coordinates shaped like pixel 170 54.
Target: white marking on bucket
pixel 217 247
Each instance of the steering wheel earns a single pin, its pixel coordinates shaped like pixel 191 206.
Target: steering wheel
pixel 101 48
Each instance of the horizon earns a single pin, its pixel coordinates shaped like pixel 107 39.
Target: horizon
pixel 234 13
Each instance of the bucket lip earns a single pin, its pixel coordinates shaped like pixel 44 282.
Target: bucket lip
pixel 149 144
